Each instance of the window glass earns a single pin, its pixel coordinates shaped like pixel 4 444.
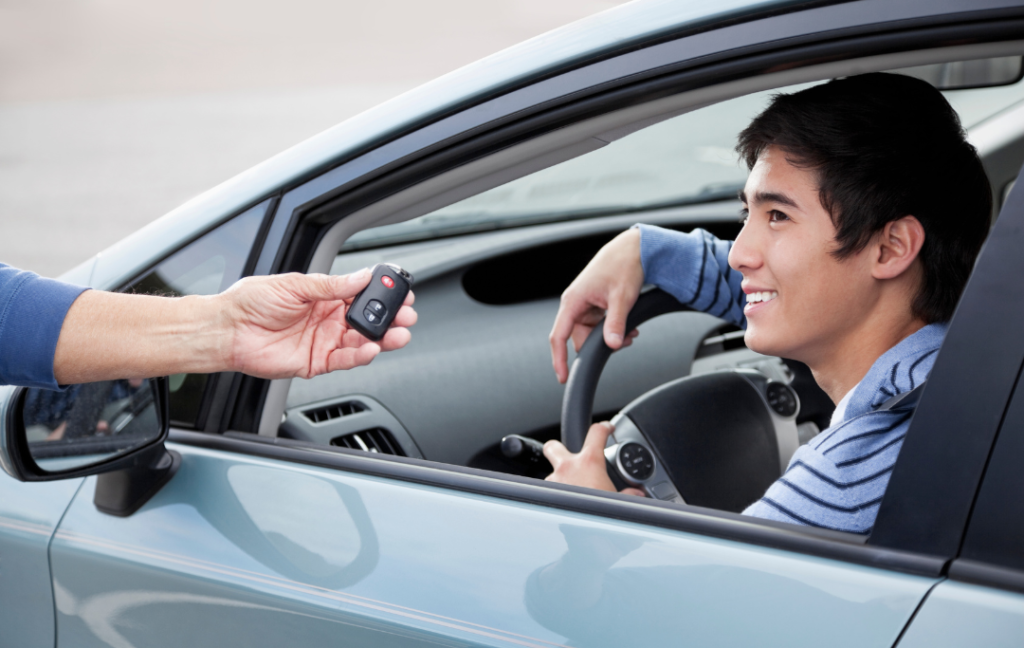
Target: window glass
pixel 687 159
pixel 205 267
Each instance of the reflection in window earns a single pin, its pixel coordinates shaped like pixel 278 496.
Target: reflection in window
pixel 206 267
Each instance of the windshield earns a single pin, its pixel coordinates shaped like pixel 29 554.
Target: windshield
pixel 683 160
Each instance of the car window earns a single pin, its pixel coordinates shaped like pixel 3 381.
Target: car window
pixel 205 267
pixel 684 160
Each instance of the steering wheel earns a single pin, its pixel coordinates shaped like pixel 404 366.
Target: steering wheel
pixel 717 440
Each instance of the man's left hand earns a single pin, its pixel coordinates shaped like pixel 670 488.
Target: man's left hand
pixel 586 468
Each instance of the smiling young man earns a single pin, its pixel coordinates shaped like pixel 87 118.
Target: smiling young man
pixel 865 208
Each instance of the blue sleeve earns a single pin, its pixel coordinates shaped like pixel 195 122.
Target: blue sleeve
pixel 693 268
pixel 32 311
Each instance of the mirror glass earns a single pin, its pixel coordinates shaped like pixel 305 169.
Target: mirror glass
pixel 90 423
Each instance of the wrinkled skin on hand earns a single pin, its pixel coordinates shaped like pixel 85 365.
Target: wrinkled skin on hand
pixel 293 325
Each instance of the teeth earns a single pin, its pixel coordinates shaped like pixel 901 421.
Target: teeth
pixel 765 296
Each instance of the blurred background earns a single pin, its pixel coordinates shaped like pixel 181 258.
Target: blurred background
pixel 114 112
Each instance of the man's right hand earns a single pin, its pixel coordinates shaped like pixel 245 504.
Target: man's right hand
pixel 608 286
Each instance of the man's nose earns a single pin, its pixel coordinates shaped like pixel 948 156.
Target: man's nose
pixel 744 254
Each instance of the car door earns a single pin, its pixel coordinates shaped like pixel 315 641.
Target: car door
pixel 246 550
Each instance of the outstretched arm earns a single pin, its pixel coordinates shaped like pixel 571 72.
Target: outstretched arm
pixel 278 326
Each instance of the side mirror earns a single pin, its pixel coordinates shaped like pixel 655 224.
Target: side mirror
pixel 115 429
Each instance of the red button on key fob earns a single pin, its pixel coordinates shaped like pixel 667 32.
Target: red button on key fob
pixel 387 281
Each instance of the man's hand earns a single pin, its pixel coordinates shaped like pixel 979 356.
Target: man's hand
pixel 294 325
pixel 588 467
pixel 610 284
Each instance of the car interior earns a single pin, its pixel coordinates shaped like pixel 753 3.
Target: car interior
pixel 492 243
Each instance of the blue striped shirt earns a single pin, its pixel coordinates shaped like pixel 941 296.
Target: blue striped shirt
pixel 837 480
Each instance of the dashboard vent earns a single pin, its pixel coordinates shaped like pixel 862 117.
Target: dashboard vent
pixel 376 440
pixel 330 412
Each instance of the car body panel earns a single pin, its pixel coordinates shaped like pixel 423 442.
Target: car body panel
pixel 959 614
pixel 29 513
pixel 259 552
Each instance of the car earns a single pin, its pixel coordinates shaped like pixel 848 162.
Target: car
pixel 376 506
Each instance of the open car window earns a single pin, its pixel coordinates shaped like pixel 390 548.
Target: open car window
pixel 489 270
pixel 684 160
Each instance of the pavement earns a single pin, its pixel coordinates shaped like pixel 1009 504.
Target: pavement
pixel 113 112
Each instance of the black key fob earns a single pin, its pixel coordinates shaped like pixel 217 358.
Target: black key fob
pixel 373 310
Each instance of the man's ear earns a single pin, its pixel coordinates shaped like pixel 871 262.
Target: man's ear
pixel 898 245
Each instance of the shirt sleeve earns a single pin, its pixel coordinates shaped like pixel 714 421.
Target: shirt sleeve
pixel 32 311
pixel 694 268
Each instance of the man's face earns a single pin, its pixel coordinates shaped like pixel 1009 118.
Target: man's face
pixel 802 302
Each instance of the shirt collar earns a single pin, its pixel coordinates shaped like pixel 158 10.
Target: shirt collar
pixel 898 370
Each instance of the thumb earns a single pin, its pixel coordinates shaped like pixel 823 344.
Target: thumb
pixel 597 436
pixel 321 287
pixel 615 321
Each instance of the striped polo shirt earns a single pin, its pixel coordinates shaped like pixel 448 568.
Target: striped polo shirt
pixel 836 481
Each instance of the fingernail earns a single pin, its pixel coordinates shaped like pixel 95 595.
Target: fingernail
pixel 616 338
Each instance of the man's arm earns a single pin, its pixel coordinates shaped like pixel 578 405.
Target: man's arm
pixel 693 267
pixel 278 326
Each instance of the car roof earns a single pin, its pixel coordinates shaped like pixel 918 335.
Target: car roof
pixel 599 36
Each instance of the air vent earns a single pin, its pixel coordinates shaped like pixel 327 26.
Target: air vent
pixel 330 412
pixel 376 440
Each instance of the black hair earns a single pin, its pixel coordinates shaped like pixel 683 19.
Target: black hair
pixel 886 146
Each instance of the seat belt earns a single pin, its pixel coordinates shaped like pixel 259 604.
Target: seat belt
pixel 903 401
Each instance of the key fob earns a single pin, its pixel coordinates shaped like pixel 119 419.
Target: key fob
pixel 373 310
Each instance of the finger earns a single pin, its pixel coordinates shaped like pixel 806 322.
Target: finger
pixel 615 320
pixel 633 491
pixel 395 338
pixel 580 333
pixel 321 287
pixel 597 437
pixel 353 339
pixel 560 333
pixel 349 358
pixel 410 299
pixel 406 317
pixel 556 453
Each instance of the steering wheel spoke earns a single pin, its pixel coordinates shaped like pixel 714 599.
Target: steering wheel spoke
pixel 636 461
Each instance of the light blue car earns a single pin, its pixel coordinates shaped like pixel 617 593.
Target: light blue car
pixel 378 507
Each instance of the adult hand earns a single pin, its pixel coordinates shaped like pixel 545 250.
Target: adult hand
pixel 293 325
pixel 587 468
pixel 281 326
pixel 610 284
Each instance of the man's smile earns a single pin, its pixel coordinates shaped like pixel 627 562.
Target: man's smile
pixel 758 297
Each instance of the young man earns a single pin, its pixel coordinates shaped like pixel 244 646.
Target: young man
pixel 864 209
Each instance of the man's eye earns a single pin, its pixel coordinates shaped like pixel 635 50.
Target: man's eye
pixel 776 216
pixel 744 215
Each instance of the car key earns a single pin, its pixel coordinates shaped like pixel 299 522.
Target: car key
pixel 373 309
